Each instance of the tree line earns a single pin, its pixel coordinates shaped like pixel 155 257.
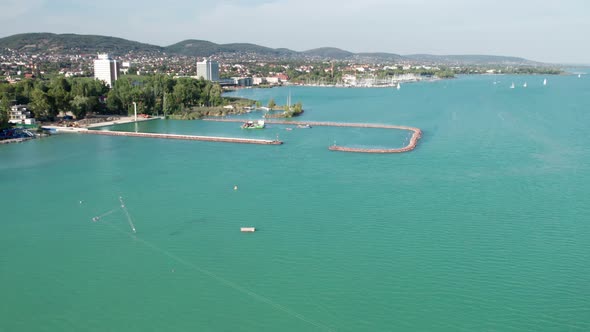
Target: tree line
pixel 155 94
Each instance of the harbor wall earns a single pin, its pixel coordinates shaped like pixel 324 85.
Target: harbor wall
pixel 416 133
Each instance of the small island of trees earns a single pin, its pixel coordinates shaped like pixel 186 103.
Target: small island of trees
pixel 288 111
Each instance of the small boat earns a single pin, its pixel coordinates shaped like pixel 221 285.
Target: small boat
pixel 399 85
pixel 524 85
pixel 579 75
pixel 304 126
pixel 512 86
pixel 545 82
pixel 248 229
pixel 253 125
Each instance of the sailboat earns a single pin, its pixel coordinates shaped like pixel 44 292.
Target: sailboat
pixel 524 85
pixel 579 75
pixel 512 86
pixel 545 82
pixel 399 85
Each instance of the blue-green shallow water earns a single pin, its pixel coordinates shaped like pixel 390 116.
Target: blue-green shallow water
pixel 484 227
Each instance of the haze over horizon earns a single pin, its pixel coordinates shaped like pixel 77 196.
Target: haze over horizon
pixel 541 31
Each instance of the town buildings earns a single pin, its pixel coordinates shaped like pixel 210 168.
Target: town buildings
pixel 106 69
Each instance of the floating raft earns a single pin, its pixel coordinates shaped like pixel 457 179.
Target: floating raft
pixel 248 229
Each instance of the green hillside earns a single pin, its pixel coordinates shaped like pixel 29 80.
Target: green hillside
pixel 50 42
pixel 76 44
pixel 193 47
pixel 329 53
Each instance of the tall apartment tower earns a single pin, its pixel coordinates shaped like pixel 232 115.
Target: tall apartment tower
pixel 208 69
pixel 106 69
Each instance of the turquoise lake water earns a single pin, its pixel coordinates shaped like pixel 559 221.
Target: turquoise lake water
pixel 484 227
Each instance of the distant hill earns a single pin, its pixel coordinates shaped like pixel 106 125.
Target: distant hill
pixel 380 56
pixel 470 59
pixel 73 43
pixel 205 48
pixel 329 53
pixel 40 42
pixel 194 48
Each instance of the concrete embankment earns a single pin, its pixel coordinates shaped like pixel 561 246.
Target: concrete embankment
pixel 184 137
pixel 15 140
pixel 416 134
pixel 122 120
pixel 84 127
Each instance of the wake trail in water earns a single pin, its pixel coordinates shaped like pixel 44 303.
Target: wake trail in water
pixel 226 282
pixel 127 214
pixel 97 218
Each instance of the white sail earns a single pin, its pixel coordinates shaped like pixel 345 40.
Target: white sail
pixel 512 86
pixel 524 85
pixel 545 82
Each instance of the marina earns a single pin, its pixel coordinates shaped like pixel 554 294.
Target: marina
pixel 413 142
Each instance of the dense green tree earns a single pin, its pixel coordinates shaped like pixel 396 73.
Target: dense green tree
pixel 41 105
pixel 215 95
pixel 80 106
pixel 154 94
pixel 114 103
pixel 272 103
pixel 59 92
pixel 4 109
pixel 298 108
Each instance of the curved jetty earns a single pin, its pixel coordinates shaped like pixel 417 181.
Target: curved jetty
pixel 416 134
pixel 184 137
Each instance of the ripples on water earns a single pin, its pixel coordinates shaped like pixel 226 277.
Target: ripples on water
pixel 483 227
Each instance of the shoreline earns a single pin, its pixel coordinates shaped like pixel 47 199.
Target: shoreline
pixel 81 128
pixel 16 140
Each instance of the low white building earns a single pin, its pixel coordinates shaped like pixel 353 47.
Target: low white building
pixel 258 80
pixel 20 114
pixel 242 81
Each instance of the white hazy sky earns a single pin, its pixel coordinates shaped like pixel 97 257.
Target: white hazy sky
pixel 542 30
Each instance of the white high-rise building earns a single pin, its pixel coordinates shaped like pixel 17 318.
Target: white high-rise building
pixel 208 69
pixel 106 69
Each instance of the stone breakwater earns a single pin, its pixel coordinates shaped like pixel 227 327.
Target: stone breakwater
pixel 416 134
pixel 183 137
pixel 15 140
